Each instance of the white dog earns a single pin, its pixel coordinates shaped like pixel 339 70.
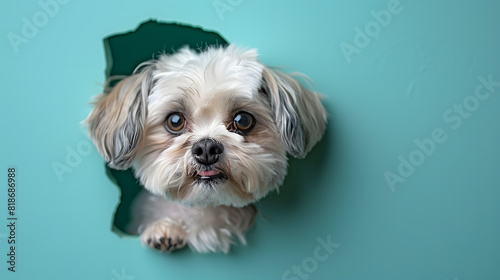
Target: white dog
pixel 207 133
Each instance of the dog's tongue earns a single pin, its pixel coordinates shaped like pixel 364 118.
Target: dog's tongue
pixel 208 173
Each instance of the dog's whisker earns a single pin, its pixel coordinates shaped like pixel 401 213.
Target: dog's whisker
pixel 209 133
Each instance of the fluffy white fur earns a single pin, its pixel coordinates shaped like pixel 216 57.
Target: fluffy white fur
pixel 208 88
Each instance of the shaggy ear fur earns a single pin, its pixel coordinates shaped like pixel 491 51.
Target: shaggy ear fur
pixel 116 123
pixel 298 112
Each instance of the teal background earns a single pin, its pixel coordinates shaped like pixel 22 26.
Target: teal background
pixel 442 222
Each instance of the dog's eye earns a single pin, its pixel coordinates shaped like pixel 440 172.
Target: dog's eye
pixel 244 121
pixel 175 123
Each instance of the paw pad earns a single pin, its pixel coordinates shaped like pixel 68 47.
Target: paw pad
pixel 164 236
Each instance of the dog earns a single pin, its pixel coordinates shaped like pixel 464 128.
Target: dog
pixel 207 133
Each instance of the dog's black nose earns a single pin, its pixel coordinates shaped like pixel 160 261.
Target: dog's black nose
pixel 207 151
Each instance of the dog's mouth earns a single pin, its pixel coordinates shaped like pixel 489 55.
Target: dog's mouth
pixel 209 175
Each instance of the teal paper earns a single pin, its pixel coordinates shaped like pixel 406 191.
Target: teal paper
pixel 413 79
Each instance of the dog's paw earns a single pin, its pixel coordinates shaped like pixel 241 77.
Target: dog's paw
pixel 165 236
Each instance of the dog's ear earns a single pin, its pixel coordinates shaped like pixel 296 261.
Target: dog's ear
pixel 299 114
pixel 116 123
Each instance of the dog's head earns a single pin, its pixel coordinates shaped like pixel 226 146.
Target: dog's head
pixel 209 128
